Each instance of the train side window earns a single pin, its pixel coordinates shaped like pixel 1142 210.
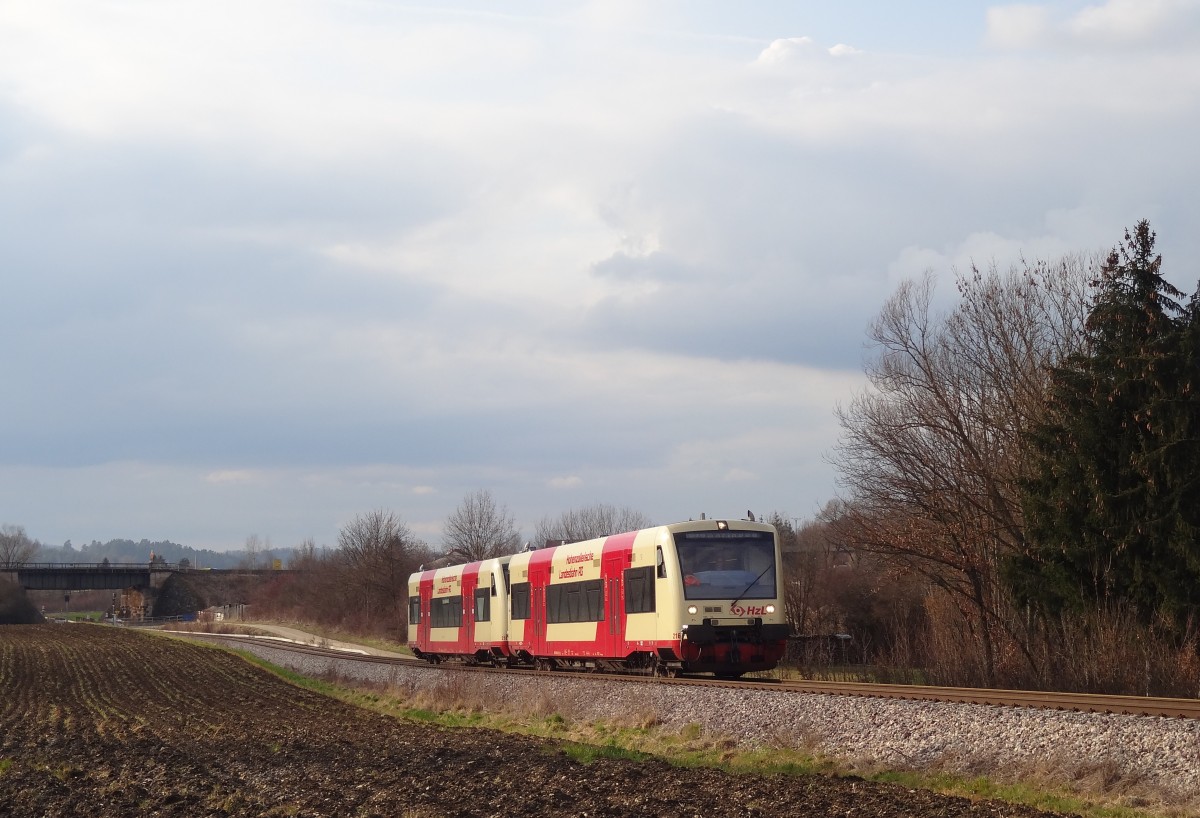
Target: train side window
pixel 661 563
pixel 520 600
pixel 493 584
pixel 594 591
pixel 446 612
pixel 558 604
pixel 414 610
pixel 483 605
pixel 575 601
pixel 639 590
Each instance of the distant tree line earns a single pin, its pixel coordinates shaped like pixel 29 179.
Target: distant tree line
pixel 255 554
pixel 362 584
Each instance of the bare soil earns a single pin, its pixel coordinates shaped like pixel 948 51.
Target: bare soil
pixel 100 721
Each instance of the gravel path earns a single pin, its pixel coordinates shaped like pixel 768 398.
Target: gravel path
pixel 1148 759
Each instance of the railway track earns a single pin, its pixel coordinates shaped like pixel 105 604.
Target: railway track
pixel 1074 702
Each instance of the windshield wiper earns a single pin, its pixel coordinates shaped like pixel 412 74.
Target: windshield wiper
pixel 751 585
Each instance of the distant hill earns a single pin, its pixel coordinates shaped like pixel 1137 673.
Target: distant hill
pixel 141 551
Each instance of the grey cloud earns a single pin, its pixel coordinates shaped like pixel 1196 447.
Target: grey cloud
pixel 169 299
pixel 734 324
pixel 655 266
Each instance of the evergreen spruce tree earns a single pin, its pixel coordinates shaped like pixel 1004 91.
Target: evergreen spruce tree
pixel 1110 495
pixel 1174 466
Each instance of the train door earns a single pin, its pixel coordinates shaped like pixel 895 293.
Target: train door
pixel 539 578
pixel 426 594
pixel 613 626
pixel 466 636
pixel 537 618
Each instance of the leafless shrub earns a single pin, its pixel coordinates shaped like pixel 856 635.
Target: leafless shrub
pixel 1110 650
pixel 359 587
pixel 15 607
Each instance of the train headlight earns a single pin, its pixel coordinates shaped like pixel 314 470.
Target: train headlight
pixel 770 609
pixel 692 609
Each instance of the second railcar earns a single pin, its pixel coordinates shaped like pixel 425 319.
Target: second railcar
pixel 460 611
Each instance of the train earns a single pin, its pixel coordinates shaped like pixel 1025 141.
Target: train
pixel 702 596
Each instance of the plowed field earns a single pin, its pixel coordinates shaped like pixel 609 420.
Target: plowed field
pixel 100 721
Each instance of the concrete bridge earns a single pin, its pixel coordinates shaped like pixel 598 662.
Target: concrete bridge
pixel 99 576
pixel 140 583
pixel 90 576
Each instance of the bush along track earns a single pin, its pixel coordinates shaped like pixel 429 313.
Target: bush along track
pixel 103 721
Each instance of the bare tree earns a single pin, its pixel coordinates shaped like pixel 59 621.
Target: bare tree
pixel 15 547
pixel 931 453
pixel 318 591
pixel 304 556
pixel 586 523
pixel 377 553
pixel 806 559
pixel 479 529
pixel 252 552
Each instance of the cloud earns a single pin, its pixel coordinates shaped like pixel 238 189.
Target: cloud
pixel 377 255
pixel 739 476
pixel 656 266
pixel 1152 24
pixel 231 476
pixel 1133 21
pixel 791 51
pixel 786 50
pixel 1018 26
pixel 1063 232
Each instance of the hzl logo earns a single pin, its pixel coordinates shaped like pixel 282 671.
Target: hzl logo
pixel 750 610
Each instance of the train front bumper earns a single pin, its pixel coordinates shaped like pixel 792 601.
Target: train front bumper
pixel 739 648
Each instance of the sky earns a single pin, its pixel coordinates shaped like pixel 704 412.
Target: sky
pixel 265 267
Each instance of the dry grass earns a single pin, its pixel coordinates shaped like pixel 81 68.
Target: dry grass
pixel 220 628
pixel 1062 782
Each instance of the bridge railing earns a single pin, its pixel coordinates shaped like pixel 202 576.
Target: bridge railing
pixel 142 566
pixel 98 566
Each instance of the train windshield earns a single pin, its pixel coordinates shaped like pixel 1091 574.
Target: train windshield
pixel 727 564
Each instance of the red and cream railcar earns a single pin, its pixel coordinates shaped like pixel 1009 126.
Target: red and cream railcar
pixel 460 612
pixel 700 596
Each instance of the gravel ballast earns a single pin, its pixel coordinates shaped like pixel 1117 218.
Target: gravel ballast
pixel 1146 758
